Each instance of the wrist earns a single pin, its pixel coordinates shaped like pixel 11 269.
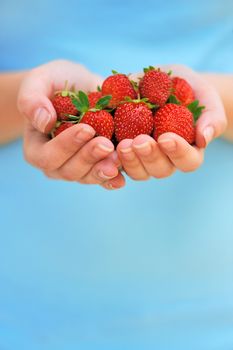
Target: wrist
pixel 11 120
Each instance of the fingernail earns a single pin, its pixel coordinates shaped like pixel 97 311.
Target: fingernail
pixel 110 187
pixel 104 176
pixel 83 134
pixel 104 147
pixel 168 144
pixel 126 150
pixel 114 157
pixel 41 119
pixel 208 134
pixel 144 148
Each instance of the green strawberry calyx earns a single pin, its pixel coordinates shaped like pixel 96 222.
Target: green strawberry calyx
pixel 81 102
pixel 193 107
pixel 150 68
pixel 139 100
pixel 115 72
pixel 173 99
pixel 60 122
pixel 66 92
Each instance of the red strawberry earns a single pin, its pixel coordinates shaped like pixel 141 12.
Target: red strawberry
pixel 98 118
pixel 177 119
pixel 93 97
pixel 156 86
pixel 63 103
pixel 61 128
pixel 182 90
pixel 101 121
pixel 132 119
pixel 119 87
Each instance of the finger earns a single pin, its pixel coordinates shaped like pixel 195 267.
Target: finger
pixel 213 121
pixel 115 159
pixel 52 154
pixel 82 162
pixel 38 88
pixel 130 162
pixel 101 172
pixel 34 102
pixel 156 163
pixel 184 156
pixel 75 73
pixel 115 183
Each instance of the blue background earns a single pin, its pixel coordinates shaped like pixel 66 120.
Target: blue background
pixel 146 267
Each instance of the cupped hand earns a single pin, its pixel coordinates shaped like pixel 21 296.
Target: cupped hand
pixel 73 155
pixel 143 157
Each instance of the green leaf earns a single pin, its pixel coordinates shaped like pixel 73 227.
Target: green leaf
pixel 114 72
pixel 173 99
pixel 195 109
pixel 193 105
pixel 72 117
pixel 145 70
pixel 127 99
pixel 169 72
pixel 83 99
pixel 135 85
pixel 80 107
pixel 98 88
pixel 103 102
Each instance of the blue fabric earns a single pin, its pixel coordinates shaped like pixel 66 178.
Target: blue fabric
pixel 147 267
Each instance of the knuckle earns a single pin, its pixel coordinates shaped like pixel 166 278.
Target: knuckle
pixel 68 175
pixel 141 177
pixel 43 163
pixel 21 101
pixel 164 174
pixel 223 125
pixel 194 166
pixel 49 174
pixel 29 156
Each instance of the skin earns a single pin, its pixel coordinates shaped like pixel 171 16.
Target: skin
pixel 75 155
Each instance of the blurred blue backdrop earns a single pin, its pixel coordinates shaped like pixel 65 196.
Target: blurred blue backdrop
pixel 146 267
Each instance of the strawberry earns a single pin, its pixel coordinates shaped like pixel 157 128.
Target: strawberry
pixel 182 91
pixel 61 128
pixel 101 120
pixel 174 118
pixel 118 86
pixel 132 119
pixel 62 102
pixel 155 85
pixel 93 97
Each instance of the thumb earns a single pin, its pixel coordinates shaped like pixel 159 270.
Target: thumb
pixel 34 103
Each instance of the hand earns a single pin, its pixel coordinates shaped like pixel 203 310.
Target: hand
pixel 74 155
pixel 144 157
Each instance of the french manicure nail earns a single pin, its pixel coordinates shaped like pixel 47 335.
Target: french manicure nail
pixel 168 144
pixel 41 119
pixel 208 134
